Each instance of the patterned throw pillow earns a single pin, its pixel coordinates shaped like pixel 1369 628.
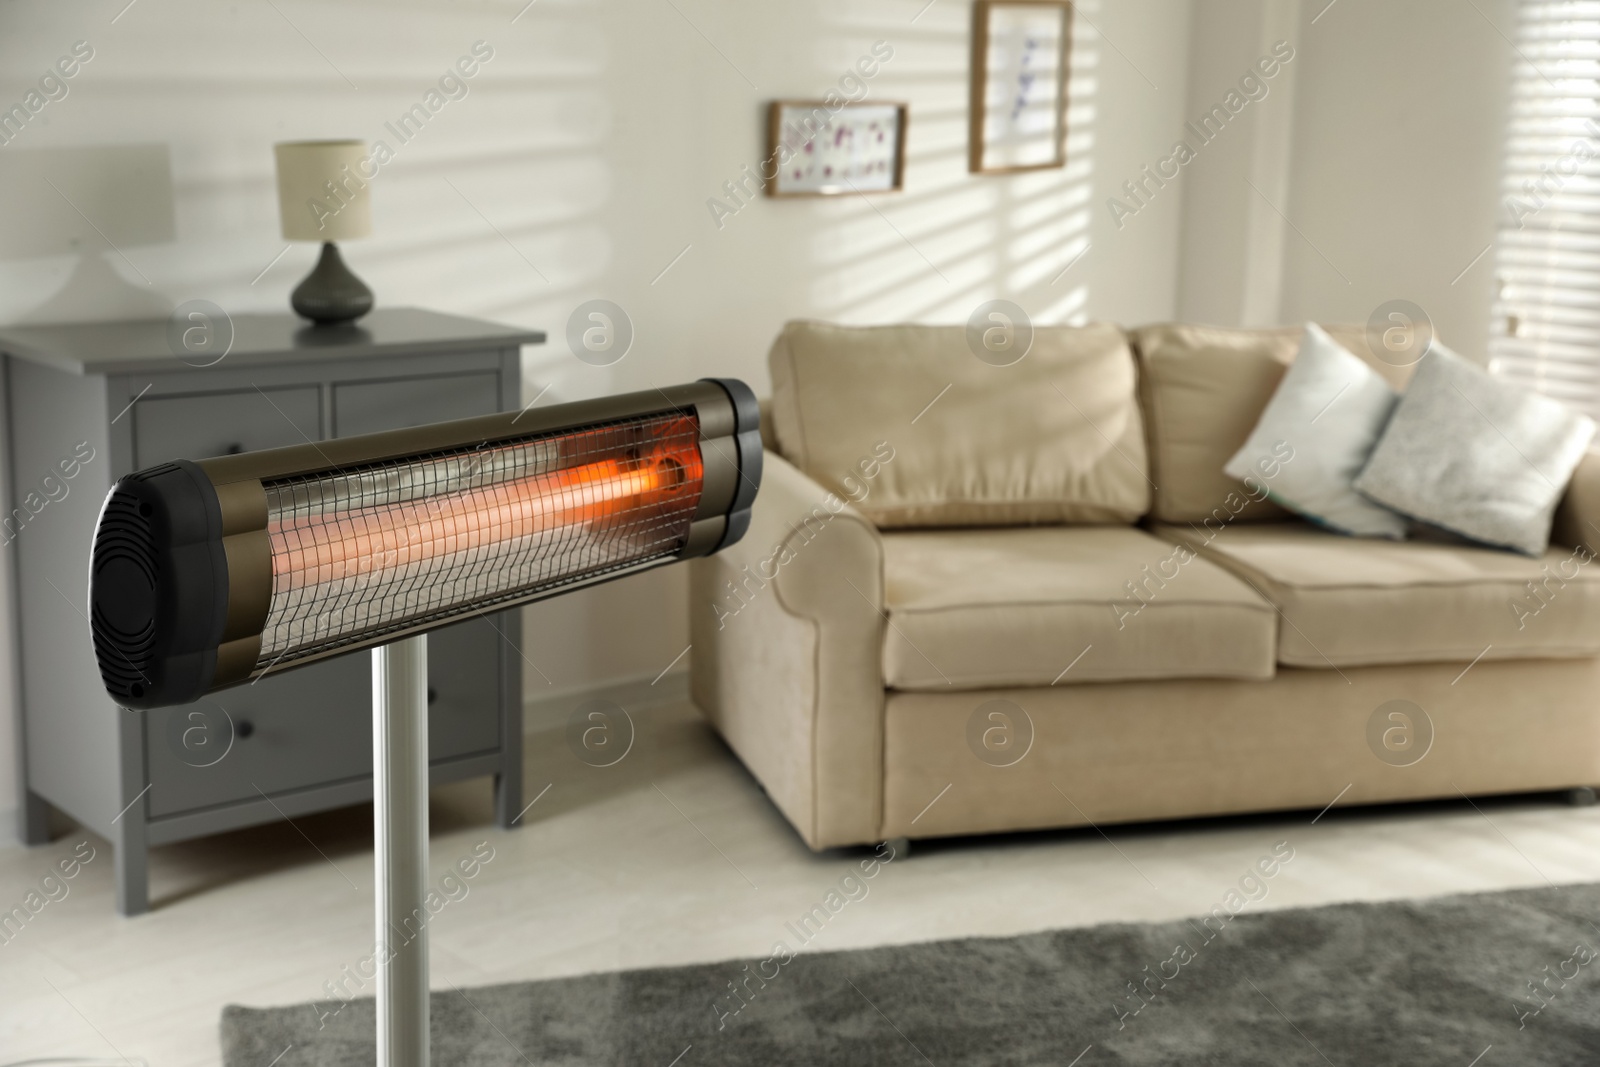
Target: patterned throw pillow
pixel 1476 455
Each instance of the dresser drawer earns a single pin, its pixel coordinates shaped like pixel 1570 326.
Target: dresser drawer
pixel 368 407
pixel 215 424
pixel 307 727
pixel 464 687
pixel 313 726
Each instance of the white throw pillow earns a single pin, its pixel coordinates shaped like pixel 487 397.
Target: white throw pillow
pixel 1477 455
pixel 1315 435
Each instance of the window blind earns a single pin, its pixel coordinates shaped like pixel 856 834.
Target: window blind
pixel 1546 331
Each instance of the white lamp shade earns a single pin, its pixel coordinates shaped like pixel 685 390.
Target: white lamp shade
pixel 322 195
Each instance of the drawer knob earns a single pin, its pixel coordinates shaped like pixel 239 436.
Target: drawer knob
pixel 433 694
pixel 245 728
pixel 234 449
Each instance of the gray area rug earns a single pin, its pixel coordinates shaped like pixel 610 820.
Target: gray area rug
pixel 1414 983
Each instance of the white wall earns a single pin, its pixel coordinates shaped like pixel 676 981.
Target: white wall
pixel 1400 127
pixel 1233 231
pixel 591 142
pixel 1387 177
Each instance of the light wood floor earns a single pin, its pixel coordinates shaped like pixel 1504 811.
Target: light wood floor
pixel 671 856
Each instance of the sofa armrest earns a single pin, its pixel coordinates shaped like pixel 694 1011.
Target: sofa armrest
pixel 1577 521
pixel 787 631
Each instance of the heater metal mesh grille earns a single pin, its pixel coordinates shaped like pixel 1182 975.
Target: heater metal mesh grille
pixel 374 550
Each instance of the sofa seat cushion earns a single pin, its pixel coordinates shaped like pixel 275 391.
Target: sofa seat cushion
pixel 1060 605
pixel 1348 602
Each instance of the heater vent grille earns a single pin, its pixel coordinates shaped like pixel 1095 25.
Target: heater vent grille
pixel 383 548
pixel 124 576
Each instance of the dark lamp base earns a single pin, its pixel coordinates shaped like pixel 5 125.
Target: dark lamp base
pixel 331 294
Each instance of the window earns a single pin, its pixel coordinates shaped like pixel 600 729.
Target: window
pixel 1546 331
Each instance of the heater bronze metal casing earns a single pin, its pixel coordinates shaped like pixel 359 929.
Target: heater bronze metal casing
pixel 212 573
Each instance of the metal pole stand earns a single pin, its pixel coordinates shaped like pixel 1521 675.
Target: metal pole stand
pixel 400 841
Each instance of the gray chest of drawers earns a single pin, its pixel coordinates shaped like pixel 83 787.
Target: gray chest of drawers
pixel 89 403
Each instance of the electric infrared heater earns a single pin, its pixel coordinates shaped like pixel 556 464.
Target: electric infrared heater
pixel 214 573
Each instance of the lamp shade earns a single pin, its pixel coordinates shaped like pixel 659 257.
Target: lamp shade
pixel 322 195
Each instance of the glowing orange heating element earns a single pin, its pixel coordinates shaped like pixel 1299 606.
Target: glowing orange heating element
pixel 601 495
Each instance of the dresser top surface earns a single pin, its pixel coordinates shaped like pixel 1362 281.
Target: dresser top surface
pixel 153 345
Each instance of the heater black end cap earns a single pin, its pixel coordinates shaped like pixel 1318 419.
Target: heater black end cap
pixel 747 438
pixel 746 408
pixel 158 587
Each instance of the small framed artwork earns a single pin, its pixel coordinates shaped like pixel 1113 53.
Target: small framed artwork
pixel 816 151
pixel 1020 51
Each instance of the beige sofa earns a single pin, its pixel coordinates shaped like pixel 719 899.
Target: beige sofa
pixel 935 534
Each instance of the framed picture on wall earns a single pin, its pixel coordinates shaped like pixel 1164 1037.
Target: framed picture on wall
pixel 815 151
pixel 1020 51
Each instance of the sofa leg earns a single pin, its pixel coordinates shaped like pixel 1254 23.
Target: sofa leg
pixel 899 846
pixel 1579 796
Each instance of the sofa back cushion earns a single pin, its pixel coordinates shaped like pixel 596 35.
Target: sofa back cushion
pixel 910 426
pixel 1202 390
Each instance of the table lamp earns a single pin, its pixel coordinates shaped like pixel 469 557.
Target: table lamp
pixel 323 197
